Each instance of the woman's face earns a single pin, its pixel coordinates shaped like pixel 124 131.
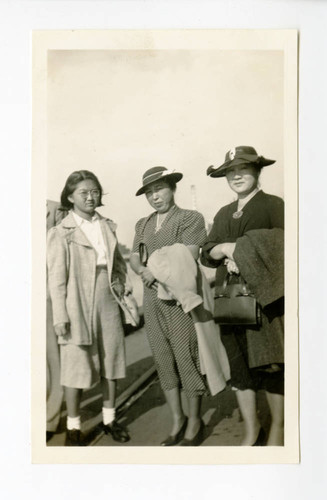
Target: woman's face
pixel 85 198
pixel 242 179
pixel 160 196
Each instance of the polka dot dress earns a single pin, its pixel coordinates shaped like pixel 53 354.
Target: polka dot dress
pixel 171 332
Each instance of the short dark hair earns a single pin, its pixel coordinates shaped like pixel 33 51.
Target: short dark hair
pixel 171 183
pixel 257 166
pixel 71 184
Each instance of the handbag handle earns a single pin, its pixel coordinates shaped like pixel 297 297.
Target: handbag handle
pixel 241 281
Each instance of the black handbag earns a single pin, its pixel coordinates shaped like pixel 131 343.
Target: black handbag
pixel 235 304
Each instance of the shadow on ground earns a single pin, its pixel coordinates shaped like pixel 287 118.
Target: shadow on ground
pixel 147 415
pixel 91 404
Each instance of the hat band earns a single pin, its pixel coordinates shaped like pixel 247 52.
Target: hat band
pixel 161 174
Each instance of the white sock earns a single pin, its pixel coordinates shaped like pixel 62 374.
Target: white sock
pixel 108 415
pixel 74 423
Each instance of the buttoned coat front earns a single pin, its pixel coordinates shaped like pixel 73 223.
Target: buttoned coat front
pixel 71 261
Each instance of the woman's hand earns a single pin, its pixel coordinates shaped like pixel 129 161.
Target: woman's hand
pixel 228 249
pixel 147 277
pixel 118 288
pixel 62 329
pixel 231 266
pixel 222 250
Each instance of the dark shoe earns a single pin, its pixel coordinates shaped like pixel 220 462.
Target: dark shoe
pixel 49 435
pixel 173 440
pixel 198 438
pixel 117 431
pixel 261 439
pixel 74 437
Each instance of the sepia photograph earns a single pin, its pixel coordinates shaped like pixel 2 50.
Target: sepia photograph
pixel 165 246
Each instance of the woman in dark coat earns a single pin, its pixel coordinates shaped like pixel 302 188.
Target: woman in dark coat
pixel 247 238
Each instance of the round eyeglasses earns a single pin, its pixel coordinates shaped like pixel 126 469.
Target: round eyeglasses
pixel 94 193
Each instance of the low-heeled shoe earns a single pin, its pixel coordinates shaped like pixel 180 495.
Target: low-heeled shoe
pixel 198 438
pixel 173 440
pixel 117 432
pixel 49 435
pixel 74 437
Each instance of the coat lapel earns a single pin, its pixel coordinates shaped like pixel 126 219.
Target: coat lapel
pixel 73 232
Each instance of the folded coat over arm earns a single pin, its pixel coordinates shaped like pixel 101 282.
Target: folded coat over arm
pixel 259 255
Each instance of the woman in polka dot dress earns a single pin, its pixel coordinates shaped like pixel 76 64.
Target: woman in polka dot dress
pixel 170 331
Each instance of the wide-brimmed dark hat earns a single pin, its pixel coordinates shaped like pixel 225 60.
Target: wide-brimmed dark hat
pixel 239 156
pixel 156 174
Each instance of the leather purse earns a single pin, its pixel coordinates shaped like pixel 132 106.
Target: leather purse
pixel 235 304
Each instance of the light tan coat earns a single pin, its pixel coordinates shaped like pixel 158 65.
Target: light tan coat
pixel 71 261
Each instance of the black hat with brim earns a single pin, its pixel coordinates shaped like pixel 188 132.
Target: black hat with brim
pixel 239 156
pixel 155 174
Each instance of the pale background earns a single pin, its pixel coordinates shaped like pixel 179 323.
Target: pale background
pixel 44 43
pixel 19 478
pixel 118 113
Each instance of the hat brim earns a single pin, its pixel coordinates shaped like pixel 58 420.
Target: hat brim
pixel 213 171
pixel 175 176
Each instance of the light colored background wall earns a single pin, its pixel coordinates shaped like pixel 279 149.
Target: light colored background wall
pixel 119 113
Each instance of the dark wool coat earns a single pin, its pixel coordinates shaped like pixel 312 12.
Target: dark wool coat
pixel 259 239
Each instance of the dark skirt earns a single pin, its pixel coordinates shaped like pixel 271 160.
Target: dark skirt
pixel 269 377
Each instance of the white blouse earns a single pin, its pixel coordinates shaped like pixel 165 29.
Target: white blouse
pixel 92 231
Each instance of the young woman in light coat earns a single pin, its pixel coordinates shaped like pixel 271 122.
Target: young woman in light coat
pixel 86 274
